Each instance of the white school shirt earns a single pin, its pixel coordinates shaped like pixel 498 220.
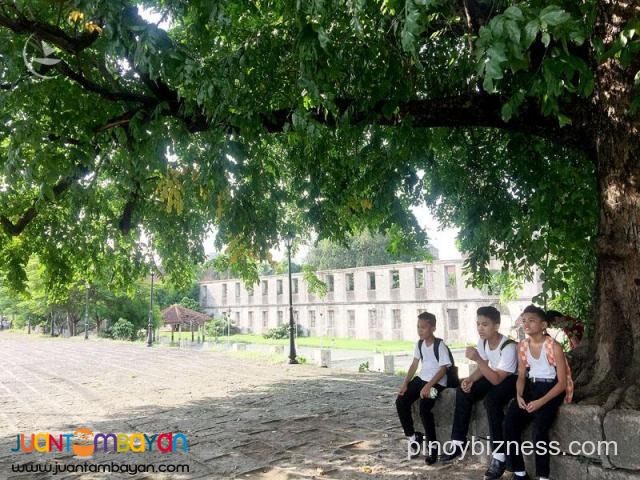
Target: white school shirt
pixel 505 360
pixel 430 365
pixel 540 368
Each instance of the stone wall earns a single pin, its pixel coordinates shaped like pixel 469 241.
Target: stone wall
pixel 575 423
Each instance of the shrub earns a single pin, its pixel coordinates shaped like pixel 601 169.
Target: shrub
pixel 123 329
pixel 281 331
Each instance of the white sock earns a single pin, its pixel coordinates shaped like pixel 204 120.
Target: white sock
pixel 543 478
pixel 458 443
pixel 412 438
pixel 500 457
pixel 519 474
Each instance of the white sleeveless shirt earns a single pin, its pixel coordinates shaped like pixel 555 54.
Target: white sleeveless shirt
pixel 540 367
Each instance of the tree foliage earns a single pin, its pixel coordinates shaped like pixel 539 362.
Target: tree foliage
pixel 362 250
pixel 274 117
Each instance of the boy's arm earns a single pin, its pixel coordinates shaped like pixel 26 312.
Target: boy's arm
pixel 410 373
pixel 520 383
pixel 434 380
pixel 475 376
pixel 495 377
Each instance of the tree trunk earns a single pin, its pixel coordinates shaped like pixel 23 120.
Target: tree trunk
pixel 615 347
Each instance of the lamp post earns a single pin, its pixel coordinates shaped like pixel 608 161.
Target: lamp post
pixel 228 325
pixel 150 325
pixel 292 344
pixel 86 312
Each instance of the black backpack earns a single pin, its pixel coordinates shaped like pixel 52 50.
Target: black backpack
pixel 453 381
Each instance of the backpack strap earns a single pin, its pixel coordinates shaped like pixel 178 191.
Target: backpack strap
pixel 523 348
pixel 436 348
pixel 508 341
pixel 548 348
pixel 420 349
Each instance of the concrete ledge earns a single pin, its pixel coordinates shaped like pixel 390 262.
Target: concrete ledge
pixel 575 423
pixel 623 427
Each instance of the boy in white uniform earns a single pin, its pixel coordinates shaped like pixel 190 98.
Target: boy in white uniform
pixel 494 380
pixel 433 374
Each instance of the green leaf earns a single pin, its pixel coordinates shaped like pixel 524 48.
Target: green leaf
pixel 546 39
pixel 554 15
pixel 531 30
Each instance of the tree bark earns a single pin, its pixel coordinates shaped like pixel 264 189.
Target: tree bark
pixel 615 347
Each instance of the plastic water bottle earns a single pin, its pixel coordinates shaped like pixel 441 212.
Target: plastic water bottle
pixel 433 393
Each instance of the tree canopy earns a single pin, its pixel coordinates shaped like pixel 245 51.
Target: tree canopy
pixel 515 120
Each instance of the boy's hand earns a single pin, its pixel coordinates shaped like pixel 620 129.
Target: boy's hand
pixel 424 393
pixel 534 405
pixel 466 385
pixel 403 388
pixel 472 354
pixel 521 403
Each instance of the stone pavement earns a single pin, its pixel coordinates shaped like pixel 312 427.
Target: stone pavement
pixel 243 416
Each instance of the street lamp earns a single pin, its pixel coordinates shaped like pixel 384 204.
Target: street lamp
pixel 86 312
pixel 150 325
pixel 292 345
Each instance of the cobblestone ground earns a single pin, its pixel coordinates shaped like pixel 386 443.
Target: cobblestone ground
pixel 243 415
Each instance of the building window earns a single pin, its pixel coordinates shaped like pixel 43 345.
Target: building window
pixel 373 319
pixel 279 287
pixel 250 320
pixel 397 320
pixel 294 282
pixel 329 283
pixel 450 276
pixel 237 289
pixel 265 287
pixel 419 275
pixel 203 294
pixel 331 323
pixel 265 319
pixel 351 319
pixel 452 316
pixel 395 279
pixel 348 280
pixel 224 293
pixel 312 319
pixel 280 317
pixel 371 281
pixel 236 322
pixel 250 291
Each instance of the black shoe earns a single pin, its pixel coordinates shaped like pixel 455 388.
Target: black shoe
pixel 495 470
pixel 450 457
pixel 418 440
pixel 432 457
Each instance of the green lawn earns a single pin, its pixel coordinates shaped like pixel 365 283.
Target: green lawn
pixel 343 343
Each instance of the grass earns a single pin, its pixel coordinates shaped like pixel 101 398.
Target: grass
pixel 382 346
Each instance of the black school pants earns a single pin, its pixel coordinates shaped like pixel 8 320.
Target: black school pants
pixel 517 419
pixel 403 405
pixel 495 399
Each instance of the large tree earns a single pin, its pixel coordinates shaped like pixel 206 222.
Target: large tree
pixel 254 116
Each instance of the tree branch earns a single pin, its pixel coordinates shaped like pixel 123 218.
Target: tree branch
pixel 15 229
pixel 49 33
pixel 467 110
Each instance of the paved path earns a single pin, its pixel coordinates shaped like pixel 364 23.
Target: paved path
pixel 243 416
